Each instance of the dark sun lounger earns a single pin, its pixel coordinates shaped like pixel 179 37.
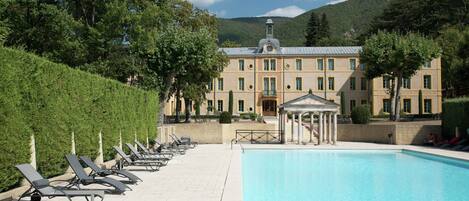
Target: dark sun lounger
pixel 82 178
pixel 42 187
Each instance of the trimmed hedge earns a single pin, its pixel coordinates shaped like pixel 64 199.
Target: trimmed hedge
pixel 455 114
pixel 361 114
pixel 225 118
pixel 51 101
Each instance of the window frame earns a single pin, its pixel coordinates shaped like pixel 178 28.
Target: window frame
pixel 320 64
pixel 220 106
pixel 210 106
pixel 241 83
pixel 354 62
pixel 429 84
pixel 241 64
pixel 240 109
pixel 364 84
pixel 299 86
pixel 329 85
pixel 429 109
pixel 299 64
pixel 329 66
pixel 407 105
pixel 221 84
pixel 321 84
pixel 353 83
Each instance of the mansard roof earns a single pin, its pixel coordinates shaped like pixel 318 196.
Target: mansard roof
pixel 296 51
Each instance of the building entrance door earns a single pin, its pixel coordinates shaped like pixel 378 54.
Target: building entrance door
pixel 269 108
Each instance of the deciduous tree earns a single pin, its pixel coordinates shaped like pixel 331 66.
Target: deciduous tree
pixel 396 56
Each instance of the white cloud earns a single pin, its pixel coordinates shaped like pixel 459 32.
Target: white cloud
pixel 203 3
pixel 336 2
pixel 289 11
pixel 221 13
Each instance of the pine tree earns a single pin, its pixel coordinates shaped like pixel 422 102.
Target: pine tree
pixel 324 29
pixel 312 31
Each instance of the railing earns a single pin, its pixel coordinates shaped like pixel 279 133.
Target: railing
pixel 258 137
pixel 270 93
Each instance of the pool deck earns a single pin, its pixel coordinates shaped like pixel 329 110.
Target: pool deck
pixel 213 172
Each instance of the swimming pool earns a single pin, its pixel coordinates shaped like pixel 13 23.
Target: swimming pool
pixel 345 175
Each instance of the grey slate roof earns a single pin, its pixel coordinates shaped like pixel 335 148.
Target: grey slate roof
pixel 251 51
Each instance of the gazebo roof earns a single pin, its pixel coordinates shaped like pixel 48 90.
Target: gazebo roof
pixel 309 103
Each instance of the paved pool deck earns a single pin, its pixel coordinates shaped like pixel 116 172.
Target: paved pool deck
pixel 213 172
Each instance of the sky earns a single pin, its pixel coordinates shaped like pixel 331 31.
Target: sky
pixel 255 8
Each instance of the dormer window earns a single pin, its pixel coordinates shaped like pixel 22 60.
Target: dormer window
pixel 270 48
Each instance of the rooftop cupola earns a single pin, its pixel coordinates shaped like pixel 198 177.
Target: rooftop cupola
pixel 269 28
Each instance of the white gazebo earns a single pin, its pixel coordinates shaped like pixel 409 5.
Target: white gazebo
pixel 325 110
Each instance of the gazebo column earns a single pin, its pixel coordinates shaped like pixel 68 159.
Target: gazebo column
pixel 311 128
pixel 292 126
pixel 330 128
pixel 335 128
pixel 324 127
pixel 300 129
pixel 320 128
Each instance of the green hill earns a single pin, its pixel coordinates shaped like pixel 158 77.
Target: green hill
pixel 351 17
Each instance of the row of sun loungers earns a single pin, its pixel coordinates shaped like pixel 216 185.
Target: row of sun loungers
pixel 152 160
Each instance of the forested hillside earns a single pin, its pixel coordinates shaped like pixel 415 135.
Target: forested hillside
pixel 349 18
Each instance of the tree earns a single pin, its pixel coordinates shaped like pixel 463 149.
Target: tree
pixel 178 53
pixel 230 43
pixel 342 103
pixel 397 57
pixel 424 16
pixel 45 29
pixel 230 102
pixel 324 29
pixel 312 31
pixel 420 103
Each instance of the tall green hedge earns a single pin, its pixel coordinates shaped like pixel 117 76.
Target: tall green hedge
pixel 51 101
pixel 455 114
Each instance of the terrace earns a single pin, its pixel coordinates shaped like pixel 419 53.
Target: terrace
pixel 214 172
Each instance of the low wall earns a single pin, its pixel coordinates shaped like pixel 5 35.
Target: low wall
pixel 215 133
pixel 403 133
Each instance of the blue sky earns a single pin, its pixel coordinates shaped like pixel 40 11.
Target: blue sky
pixel 252 8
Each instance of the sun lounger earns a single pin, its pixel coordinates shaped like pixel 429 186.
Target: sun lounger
pixel 138 156
pixel 172 147
pixel 185 141
pixel 126 160
pixel 159 151
pixel 106 172
pixel 84 179
pixel 42 187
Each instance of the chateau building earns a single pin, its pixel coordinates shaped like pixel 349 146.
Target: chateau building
pixel 268 75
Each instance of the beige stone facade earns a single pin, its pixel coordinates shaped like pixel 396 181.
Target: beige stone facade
pixel 266 76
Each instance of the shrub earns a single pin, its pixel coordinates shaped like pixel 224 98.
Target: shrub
pixel 51 101
pixel 225 118
pixel 230 102
pixel 455 114
pixel 361 114
pixel 253 116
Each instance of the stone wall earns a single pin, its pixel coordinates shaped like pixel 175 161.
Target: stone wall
pixel 215 133
pixel 403 133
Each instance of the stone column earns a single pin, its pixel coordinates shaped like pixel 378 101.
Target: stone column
pixel 292 126
pixel 300 129
pixel 324 125
pixel 330 128
pixel 311 123
pixel 335 128
pixel 320 129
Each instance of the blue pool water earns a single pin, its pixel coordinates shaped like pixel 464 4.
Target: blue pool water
pixel 300 175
